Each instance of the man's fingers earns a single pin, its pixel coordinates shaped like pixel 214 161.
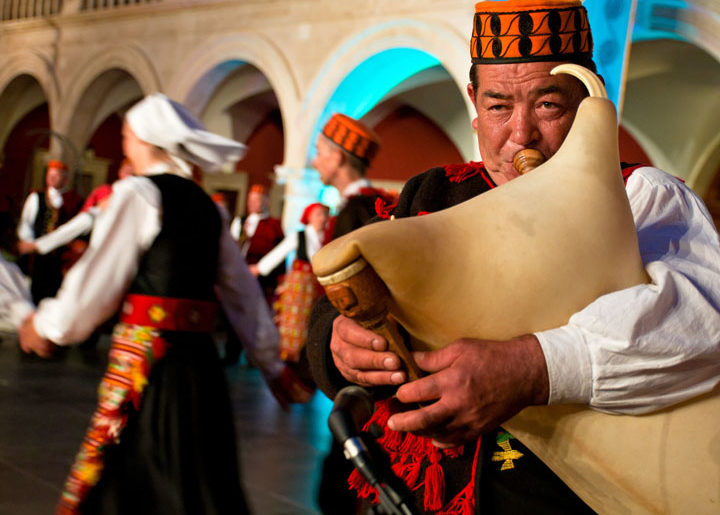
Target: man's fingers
pixel 422 390
pixel 424 421
pixel 350 331
pixel 375 378
pixel 434 361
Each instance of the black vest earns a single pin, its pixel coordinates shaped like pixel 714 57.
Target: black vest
pixel 182 261
pixel 44 222
pixel 301 252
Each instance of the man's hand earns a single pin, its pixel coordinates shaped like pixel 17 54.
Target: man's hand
pixel 474 386
pixel 288 389
pixel 362 357
pixel 254 270
pixel 31 341
pixel 26 247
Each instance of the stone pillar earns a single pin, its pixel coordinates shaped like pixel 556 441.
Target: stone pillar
pixel 302 187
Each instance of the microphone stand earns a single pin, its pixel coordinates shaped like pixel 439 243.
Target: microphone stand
pixel 353 407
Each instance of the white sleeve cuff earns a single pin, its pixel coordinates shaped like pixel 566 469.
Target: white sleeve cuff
pixel 18 312
pixel 568 364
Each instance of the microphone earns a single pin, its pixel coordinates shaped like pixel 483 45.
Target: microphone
pixel 352 408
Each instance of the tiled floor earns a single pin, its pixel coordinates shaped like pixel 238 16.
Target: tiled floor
pixel 45 406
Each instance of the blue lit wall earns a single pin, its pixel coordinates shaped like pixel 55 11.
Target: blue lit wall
pixel 609 21
pixel 365 87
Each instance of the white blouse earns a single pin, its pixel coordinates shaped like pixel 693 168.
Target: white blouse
pixel 313 243
pixel 95 286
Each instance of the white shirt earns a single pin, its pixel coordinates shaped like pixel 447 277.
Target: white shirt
pixel 313 242
pixel 352 189
pixel 250 226
pixel 26 226
pixel 15 303
pixel 96 284
pixel 649 346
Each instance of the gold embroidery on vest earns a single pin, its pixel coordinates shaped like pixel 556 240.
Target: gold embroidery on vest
pixel 508 454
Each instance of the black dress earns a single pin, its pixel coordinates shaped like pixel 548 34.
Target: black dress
pixel 177 453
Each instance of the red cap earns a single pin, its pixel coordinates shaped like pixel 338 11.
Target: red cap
pixel 305 219
pixel 518 31
pixel 56 163
pixel 352 136
pixel 258 188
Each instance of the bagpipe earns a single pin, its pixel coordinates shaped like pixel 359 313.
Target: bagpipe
pixel 555 240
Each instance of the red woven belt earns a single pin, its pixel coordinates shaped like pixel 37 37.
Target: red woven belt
pixel 169 314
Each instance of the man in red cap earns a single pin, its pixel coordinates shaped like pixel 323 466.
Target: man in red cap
pixel 42 213
pixel 632 351
pixel 345 149
pixel 257 234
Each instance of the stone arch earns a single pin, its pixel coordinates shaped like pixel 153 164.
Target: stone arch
pixel 443 42
pixel 671 106
pixel 128 58
pixel 214 61
pixel 32 69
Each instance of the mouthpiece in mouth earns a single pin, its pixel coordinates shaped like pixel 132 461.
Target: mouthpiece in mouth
pixel 527 160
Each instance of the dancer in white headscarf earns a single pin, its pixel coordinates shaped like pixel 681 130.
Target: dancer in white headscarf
pixel 162 438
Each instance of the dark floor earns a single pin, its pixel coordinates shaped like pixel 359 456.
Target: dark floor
pixel 45 406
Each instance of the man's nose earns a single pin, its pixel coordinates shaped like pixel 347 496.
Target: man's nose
pixel 525 131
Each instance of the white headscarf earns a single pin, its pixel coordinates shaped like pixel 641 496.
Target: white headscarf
pixel 166 124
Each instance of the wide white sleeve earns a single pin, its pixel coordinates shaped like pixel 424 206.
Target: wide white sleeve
pixel 649 346
pixel 94 287
pixel 26 230
pixel 78 225
pixel 278 254
pixel 15 303
pixel 246 309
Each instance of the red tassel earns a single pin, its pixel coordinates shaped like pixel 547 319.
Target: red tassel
pixel 408 470
pixel 454 452
pixel 415 445
pixel 364 489
pixel 434 483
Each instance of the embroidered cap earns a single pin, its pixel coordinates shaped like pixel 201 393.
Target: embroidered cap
pixel 518 31
pixel 352 136
pixel 305 219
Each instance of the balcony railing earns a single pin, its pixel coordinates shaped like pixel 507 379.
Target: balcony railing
pixel 22 9
pixel 97 5
pixel 28 9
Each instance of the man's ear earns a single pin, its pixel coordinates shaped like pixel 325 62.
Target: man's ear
pixel 338 157
pixel 471 92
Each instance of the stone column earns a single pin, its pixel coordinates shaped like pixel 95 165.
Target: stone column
pixel 302 187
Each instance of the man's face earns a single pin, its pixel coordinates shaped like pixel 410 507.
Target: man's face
pixel 256 202
pixel 521 106
pixel 55 178
pixel 318 217
pixel 327 160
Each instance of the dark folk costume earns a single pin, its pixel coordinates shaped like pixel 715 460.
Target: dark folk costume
pixel 39 218
pixel 162 438
pixel 497 473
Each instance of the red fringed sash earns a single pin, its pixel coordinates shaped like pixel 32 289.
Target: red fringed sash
pixel 418 463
